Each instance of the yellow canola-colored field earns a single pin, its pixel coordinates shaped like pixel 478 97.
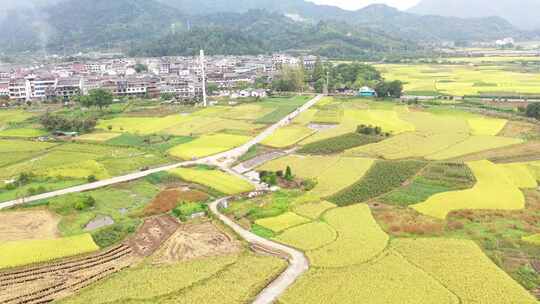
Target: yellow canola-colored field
pixel 494 190
pixel 313 210
pixel 20 253
pixel 282 222
pixel 389 279
pixel 521 174
pixel 247 112
pixel 207 145
pixel 464 269
pixel 287 136
pixel 214 179
pixel 310 236
pixel 360 238
pixel 474 144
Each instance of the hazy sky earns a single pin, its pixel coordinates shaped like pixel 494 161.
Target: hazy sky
pixel 357 4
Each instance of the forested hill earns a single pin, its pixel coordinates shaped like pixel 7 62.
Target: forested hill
pixel 521 13
pixel 149 27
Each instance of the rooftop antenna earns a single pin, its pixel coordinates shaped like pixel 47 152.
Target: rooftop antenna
pixel 203 79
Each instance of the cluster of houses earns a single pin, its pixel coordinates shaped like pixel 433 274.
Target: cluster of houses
pixel 180 77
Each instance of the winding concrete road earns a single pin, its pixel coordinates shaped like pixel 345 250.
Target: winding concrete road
pixel 298 263
pixel 223 160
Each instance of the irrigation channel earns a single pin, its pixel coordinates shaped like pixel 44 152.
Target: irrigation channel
pixel 298 263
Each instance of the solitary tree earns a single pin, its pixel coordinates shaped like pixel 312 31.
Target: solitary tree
pixel 288 174
pixel 99 97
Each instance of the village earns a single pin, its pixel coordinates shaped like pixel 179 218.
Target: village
pixel 176 78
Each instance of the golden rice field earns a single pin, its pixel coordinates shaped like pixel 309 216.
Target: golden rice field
pixel 214 179
pixel 287 136
pixel 314 209
pixel 521 174
pixel 533 239
pixel 98 137
pixel 360 238
pixel 440 135
pixel 332 173
pixel 20 253
pixel 207 280
pixel 310 236
pixel 498 193
pixel 141 125
pixel 388 279
pixel 460 80
pixel 208 145
pixel 463 268
pixel 282 222
pixel 474 144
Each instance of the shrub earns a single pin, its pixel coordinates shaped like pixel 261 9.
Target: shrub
pixel 186 210
pixel 113 234
pixel 288 174
pixel 85 202
pixel 91 178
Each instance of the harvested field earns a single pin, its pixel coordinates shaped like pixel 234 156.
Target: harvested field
pixel 46 283
pixel 168 199
pixel 196 241
pixel 28 225
pixel 152 234
pixel 519 128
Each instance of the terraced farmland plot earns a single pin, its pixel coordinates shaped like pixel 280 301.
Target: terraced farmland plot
pixel 149 281
pixel 389 279
pixel 359 240
pixel 521 174
pixel 474 144
pixel 14 116
pixel 207 145
pixel 214 179
pixel 98 137
pixel 208 124
pixel 332 173
pixel 464 269
pixel 282 222
pixel 287 136
pixel 312 210
pixel 460 80
pixel 142 125
pixel 22 133
pixel 19 253
pixel 310 236
pixel 498 193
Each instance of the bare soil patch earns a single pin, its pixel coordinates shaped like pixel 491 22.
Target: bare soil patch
pixel 28 225
pixel 194 241
pixel 168 199
pixel 154 232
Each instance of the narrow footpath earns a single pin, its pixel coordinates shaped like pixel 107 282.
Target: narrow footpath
pixel 298 263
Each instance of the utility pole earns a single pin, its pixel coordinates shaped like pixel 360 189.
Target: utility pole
pixel 203 79
pixel 325 90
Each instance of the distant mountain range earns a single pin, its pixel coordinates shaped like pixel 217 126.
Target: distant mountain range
pixel 180 27
pixel 522 13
